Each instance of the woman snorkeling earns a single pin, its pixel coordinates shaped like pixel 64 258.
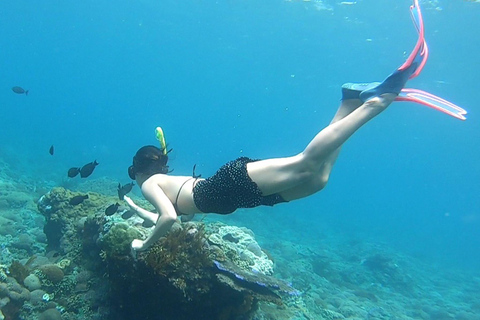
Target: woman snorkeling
pixel 248 183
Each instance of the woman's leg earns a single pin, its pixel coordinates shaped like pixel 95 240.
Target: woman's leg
pixel 319 181
pixel 303 174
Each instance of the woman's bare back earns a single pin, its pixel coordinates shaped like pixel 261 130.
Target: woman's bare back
pixel 179 189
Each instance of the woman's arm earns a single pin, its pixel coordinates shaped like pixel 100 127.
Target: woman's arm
pixel 142 213
pixel 165 219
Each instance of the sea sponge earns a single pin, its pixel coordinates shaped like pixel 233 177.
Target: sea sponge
pixel 19 296
pixel 36 297
pixel 32 282
pixel 24 241
pixel 3 289
pixel 52 272
pixel 50 314
pixel 4 301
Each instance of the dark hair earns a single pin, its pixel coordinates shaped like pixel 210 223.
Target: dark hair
pixel 148 160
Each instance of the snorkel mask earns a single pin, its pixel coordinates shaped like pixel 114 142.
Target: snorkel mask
pixel 131 172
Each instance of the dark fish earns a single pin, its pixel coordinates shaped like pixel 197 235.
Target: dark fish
pixel 72 172
pixel 77 200
pixel 87 169
pixel 123 190
pixel 128 214
pixel 147 224
pixel 51 150
pixel 111 209
pixel 20 90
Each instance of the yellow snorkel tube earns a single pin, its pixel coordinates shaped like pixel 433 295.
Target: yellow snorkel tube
pixel 161 138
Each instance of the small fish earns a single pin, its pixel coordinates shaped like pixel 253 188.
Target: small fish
pixel 77 200
pixel 112 209
pixel 51 150
pixel 123 190
pixel 20 90
pixel 87 169
pixel 73 172
pixel 128 214
pixel 147 224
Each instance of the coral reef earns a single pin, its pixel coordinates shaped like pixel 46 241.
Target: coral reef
pixel 20 271
pixel 62 217
pixel 41 277
pixel 213 270
pixel 181 268
pixel 239 245
pixel 63 261
pixel 52 273
pixel 117 240
pixel 50 314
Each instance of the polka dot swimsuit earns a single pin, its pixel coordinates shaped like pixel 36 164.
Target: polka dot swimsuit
pixel 231 188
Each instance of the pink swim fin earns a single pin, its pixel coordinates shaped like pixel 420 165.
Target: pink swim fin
pixel 410 69
pixel 420 55
pixel 432 101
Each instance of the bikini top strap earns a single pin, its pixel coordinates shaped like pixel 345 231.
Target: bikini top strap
pixel 194 176
pixel 178 193
pixel 193 173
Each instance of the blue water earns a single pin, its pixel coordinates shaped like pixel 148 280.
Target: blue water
pixel 255 78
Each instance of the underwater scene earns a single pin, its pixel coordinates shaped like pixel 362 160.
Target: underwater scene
pixel 394 235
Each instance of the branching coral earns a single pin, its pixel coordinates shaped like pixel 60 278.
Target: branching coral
pixel 182 257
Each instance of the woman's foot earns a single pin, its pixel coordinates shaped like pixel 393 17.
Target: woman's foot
pixel 394 83
pixel 380 103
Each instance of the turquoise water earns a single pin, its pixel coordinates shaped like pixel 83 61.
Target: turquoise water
pixel 255 78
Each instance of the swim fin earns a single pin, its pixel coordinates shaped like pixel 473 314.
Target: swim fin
pixel 432 101
pixel 353 90
pixel 419 53
pixel 410 69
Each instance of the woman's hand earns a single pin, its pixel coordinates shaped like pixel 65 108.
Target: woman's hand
pixel 137 245
pixel 130 203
